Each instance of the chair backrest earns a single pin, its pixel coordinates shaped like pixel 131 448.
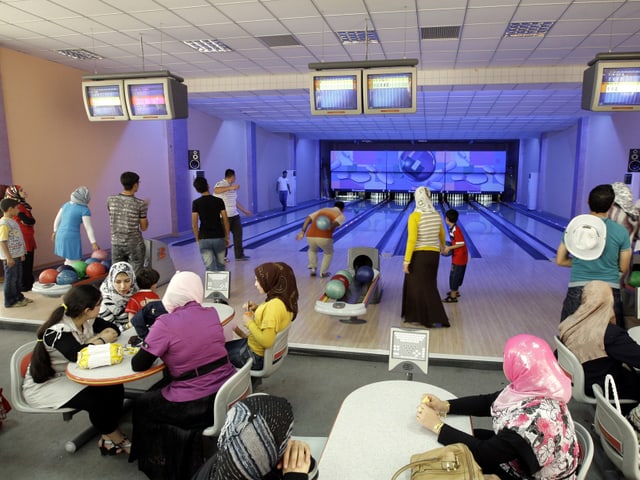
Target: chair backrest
pixel 18 368
pixel 617 436
pixel 234 389
pixel 274 355
pixel 586 451
pixel 573 368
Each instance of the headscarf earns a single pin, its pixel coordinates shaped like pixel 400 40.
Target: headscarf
pixel 532 369
pixel 624 199
pixel 13 191
pixel 253 438
pixel 184 287
pixel 113 304
pixel 583 331
pixel 422 197
pixel 81 196
pixel 278 281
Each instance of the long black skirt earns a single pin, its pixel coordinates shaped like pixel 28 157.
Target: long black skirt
pixel 167 436
pixel 421 301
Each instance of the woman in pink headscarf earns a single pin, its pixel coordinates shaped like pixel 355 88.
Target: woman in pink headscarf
pixel 533 434
pixel 168 420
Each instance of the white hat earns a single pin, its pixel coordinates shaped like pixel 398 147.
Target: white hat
pixel 585 237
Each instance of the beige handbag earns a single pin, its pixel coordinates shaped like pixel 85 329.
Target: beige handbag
pixel 453 462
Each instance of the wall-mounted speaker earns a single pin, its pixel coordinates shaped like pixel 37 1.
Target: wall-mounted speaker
pixel 194 159
pixel 634 160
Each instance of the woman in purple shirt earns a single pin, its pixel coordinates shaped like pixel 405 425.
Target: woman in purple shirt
pixel 169 419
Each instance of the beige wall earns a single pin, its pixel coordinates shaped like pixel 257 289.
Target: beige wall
pixel 53 149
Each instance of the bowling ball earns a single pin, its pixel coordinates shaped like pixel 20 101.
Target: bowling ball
pixel 450 251
pixel 323 222
pixel 106 263
pixel 342 279
pixel 347 274
pixel 64 267
pixel 91 260
pixel 100 254
pixel 48 276
pixel 67 277
pixel 80 267
pixel 95 269
pixel 364 274
pixel 335 289
pixel 418 165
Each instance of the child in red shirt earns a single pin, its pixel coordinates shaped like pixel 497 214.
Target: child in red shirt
pixel 147 280
pixel 459 258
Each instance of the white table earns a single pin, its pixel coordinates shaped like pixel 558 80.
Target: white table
pixel 376 431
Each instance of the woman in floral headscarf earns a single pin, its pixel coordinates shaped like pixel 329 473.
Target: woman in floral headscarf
pixel 26 221
pixel 421 304
pixel 66 226
pixel 533 434
pixel 263 322
pixel 117 290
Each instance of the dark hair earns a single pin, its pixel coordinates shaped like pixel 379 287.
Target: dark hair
pixel 74 302
pixel 7 203
pixel 229 172
pixel 284 172
pixel 339 205
pixel 200 184
pixel 601 198
pixel 452 215
pixel 147 277
pixel 129 179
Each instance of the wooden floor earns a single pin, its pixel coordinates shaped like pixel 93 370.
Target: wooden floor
pixel 505 293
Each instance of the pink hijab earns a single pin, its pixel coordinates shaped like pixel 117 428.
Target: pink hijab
pixel 184 287
pixel 532 369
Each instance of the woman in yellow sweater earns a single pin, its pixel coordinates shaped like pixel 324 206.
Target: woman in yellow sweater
pixel 421 304
pixel 263 322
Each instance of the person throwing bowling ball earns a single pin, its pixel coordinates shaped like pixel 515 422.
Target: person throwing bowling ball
pixel 321 224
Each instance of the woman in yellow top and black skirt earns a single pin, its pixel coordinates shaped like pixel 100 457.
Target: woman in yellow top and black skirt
pixel 421 304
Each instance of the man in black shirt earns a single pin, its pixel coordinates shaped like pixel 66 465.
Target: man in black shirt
pixel 213 235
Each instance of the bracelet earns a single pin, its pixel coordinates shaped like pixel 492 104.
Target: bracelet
pixel 448 407
pixel 102 339
pixel 437 428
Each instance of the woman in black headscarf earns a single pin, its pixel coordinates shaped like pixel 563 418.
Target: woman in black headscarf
pixel 255 444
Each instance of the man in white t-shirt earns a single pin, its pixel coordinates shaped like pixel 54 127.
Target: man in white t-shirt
pixel 284 189
pixel 227 190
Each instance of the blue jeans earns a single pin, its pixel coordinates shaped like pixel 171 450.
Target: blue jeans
pixel 282 196
pixel 574 298
pixel 212 251
pixel 239 353
pixel 456 276
pixel 12 282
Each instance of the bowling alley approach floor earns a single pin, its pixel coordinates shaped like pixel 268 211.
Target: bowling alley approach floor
pixel 502 295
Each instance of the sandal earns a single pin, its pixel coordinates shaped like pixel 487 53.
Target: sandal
pixel 124 446
pixel 450 299
pixel 109 448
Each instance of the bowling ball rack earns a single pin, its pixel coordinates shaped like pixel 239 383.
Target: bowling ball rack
pixel 354 303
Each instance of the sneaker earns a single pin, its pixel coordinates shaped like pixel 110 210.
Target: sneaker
pixel 313 272
pixel 226 259
pixel 243 258
pixel 325 274
pixel 19 303
pixel 28 300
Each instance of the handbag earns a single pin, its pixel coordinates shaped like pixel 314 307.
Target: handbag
pixel 93 356
pixel 453 462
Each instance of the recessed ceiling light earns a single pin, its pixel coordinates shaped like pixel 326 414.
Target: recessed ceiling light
pixel 358 36
pixel 80 54
pixel 207 45
pixel 528 29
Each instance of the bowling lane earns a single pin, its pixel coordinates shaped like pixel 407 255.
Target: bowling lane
pixel 287 217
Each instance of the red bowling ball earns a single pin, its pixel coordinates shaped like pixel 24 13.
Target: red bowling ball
pixel 48 276
pixel 95 269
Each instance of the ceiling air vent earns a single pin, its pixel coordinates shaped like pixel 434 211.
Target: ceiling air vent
pixel 441 33
pixel 279 41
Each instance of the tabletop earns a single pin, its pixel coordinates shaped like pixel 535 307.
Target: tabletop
pixel 376 431
pixel 122 372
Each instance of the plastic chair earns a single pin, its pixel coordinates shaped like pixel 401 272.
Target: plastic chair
pixel 19 363
pixel 232 391
pixel 573 368
pixel 274 355
pixel 586 451
pixel 617 436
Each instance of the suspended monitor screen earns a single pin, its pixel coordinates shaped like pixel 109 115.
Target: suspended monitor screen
pixel 390 90
pixel 611 86
pixel 336 92
pixel 104 100
pixel 162 98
